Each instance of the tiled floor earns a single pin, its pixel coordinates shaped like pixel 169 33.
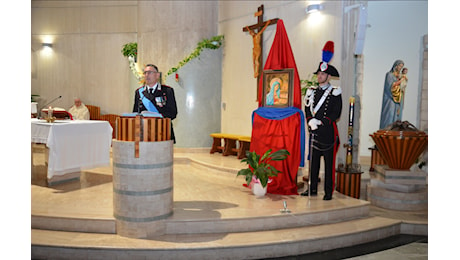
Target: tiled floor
pixel 75 199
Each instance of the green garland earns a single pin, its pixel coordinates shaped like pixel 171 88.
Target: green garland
pixel 130 50
pixel 212 43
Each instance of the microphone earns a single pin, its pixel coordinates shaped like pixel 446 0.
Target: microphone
pixel 40 111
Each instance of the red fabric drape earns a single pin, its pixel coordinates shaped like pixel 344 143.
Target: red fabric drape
pixel 281 57
pixel 279 134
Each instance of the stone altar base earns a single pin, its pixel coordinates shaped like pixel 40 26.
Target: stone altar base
pixel 398 189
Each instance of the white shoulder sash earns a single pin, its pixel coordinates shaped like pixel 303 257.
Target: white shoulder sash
pixel 321 101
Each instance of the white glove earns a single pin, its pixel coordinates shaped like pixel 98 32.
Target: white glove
pixel 314 123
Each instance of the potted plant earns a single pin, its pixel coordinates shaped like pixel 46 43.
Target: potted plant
pixel 260 170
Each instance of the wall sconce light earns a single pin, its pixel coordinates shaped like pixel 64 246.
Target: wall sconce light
pixel 314 8
pixel 47 49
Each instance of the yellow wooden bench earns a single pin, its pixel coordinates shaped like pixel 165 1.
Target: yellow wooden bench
pixel 227 144
pixel 230 141
pixel 217 143
pixel 245 143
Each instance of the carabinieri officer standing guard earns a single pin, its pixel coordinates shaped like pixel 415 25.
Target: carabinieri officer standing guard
pixel 323 106
pixel 155 97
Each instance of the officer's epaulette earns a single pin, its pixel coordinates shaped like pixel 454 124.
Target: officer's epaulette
pixel 313 87
pixel 336 90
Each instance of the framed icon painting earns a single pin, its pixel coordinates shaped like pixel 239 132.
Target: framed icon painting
pixel 277 88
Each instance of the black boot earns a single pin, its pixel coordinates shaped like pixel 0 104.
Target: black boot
pixel 312 193
pixel 327 197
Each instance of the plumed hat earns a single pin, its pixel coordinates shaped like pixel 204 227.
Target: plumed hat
pixel 328 53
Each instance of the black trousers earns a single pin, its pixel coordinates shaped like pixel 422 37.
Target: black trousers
pixel 315 158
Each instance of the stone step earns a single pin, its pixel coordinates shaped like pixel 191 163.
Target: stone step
pixel 48 244
pixel 394 200
pixel 183 223
pixel 72 224
pixel 269 221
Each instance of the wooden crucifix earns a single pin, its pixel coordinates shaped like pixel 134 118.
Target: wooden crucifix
pixel 257 37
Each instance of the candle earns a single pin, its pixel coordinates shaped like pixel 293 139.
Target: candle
pixel 349 160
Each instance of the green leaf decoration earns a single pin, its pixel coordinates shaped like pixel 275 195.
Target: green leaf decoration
pixel 130 49
pixel 212 43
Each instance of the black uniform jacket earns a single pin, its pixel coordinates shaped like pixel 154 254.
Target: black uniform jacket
pixel 164 100
pixel 328 113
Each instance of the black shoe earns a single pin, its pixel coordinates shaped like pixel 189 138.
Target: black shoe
pixel 327 197
pixel 305 193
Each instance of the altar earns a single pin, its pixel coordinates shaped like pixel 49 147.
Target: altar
pixel 72 145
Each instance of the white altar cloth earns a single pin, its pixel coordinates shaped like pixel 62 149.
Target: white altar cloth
pixel 73 144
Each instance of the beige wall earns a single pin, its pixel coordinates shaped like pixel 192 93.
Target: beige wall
pixel 170 30
pixel 87 39
pixel 86 59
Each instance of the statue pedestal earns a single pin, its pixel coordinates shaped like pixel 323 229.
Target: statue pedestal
pixel 402 177
pixel 398 189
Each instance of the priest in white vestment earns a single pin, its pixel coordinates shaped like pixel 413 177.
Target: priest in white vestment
pixel 79 111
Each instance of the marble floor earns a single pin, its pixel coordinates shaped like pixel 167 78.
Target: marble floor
pixel 199 193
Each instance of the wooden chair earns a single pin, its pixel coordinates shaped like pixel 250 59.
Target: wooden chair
pixel 94 112
pixel 112 119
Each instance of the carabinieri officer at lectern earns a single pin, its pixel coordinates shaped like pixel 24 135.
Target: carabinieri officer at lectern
pixel 155 97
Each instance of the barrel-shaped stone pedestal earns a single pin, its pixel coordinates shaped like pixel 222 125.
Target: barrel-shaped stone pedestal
pixel 142 187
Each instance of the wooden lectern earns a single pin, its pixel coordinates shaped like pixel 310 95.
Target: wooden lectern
pixel 145 129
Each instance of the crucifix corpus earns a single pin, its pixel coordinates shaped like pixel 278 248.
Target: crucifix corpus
pixel 257 50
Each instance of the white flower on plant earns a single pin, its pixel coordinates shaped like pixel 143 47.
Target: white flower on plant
pixel 135 69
